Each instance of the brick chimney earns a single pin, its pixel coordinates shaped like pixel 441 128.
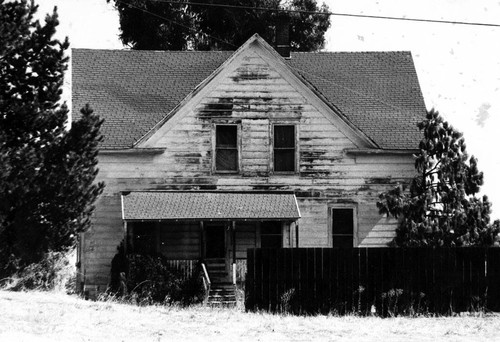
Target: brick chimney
pixel 283 35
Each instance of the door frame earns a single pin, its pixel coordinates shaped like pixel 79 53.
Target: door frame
pixel 207 226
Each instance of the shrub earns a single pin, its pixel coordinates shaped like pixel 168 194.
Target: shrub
pixel 148 279
pixel 54 271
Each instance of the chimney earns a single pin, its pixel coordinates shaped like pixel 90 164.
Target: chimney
pixel 283 35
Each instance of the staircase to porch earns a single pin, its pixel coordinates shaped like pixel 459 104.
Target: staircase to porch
pixel 222 290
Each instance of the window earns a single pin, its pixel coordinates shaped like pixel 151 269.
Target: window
pixel 271 234
pixel 144 238
pixel 284 148
pixel 343 226
pixel 226 148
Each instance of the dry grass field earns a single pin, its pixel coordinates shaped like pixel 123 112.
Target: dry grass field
pixel 39 316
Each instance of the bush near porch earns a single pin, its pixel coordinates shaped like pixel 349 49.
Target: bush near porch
pixel 148 279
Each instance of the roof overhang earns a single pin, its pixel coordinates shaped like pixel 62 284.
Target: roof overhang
pixel 208 205
pixel 370 151
pixel 140 151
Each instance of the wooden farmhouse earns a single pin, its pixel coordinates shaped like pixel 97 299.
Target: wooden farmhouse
pixel 209 153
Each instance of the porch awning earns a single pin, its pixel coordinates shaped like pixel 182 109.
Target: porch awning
pixel 190 205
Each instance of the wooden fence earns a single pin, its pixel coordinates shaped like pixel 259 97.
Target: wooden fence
pixel 367 280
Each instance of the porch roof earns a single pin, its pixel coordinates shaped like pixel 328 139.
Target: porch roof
pixel 191 205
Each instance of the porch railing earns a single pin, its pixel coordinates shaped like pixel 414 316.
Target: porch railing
pixel 206 281
pixel 185 267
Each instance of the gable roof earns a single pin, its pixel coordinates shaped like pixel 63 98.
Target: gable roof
pixel 377 92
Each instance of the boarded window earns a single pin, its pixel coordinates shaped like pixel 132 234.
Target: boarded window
pixel 226 148
pixel 284 148
pixel 343 227
pixel 271 234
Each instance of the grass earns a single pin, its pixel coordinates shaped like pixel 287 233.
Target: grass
pixel 49 316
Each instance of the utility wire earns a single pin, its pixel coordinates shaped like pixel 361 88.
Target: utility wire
pixel 338 14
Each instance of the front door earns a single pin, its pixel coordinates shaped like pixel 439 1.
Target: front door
pixel 215 243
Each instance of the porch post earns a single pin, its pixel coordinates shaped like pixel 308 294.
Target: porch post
pixel 125 239
pixel 202 241
pixel 297 235
pixel 130 238
pixel 233 235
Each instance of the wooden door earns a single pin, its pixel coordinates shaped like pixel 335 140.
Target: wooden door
pixel 215 241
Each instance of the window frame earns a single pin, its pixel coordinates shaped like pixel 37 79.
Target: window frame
pixel 354 208
pixel 296 147
pixel 214 148
pixel 281 233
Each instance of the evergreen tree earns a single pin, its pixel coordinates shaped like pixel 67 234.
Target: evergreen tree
pixel 157 25
pixel 46 171
pixel 440 208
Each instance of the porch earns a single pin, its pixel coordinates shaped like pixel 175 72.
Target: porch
pixel 215 228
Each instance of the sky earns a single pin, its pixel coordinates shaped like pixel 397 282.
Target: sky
pixel 458 65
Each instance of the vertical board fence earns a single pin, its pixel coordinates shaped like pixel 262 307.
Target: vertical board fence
pixel 390 281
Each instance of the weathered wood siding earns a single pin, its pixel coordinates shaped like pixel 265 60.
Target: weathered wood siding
pixel 253 95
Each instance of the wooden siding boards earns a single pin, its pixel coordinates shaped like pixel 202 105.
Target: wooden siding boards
pixel 252 92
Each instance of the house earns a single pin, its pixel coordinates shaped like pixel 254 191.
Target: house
pixel 209 153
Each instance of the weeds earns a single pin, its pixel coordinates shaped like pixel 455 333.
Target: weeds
pixel 56 271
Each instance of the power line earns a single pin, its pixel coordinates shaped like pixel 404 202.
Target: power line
pixel 338 14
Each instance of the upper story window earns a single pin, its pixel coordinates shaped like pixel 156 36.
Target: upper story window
pixel 284 148
pixel 226 148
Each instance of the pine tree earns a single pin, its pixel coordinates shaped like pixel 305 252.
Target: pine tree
pixel 47 172
pixel 157 25
pixel 441 207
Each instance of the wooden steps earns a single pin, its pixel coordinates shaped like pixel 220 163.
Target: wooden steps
pixel 222 291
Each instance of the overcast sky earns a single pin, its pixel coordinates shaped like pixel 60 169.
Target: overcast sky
pixel 458 65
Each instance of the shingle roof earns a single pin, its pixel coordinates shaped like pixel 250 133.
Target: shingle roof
pixel 144 205
pixel 378 92
pixel 133 90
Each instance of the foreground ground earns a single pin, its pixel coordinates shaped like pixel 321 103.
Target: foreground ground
pixel 37 316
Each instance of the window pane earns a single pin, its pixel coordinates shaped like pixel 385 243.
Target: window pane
pixel 144 238
pixel 284 136
pixel 343 227
pixel 271 241
pixel 226 160
pixel 342 221
pixel 271 227
pixel 284 160
pixel 342 242
pixel 226 136
pixel 271 234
